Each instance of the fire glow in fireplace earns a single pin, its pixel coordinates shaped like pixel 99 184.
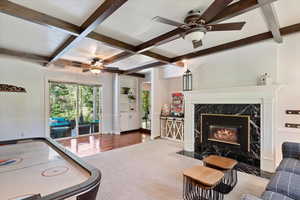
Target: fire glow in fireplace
pixel 231 130
pixel 226 134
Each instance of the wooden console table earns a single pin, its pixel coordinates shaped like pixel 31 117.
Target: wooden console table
pixel 172 128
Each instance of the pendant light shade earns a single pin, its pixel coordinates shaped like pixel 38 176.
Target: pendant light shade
pixel 194 36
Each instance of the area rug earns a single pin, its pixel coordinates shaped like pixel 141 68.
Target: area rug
pixel 153 171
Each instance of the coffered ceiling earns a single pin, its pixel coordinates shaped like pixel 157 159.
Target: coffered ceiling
pixel 131 23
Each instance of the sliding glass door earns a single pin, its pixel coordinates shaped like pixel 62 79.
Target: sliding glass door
pixel 74 109
pixel 89 109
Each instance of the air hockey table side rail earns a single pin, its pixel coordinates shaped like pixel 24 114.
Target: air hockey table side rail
pixel 84 191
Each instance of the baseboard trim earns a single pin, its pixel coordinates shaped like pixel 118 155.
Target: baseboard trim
pixel 146 131
pixel 131 131
pixel 157 137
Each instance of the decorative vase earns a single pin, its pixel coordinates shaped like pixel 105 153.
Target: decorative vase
pixel 265 79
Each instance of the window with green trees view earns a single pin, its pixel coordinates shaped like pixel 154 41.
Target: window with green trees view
pixel 63 100
pixel 74 109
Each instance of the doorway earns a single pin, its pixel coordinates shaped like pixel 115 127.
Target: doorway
pixel 146 107
pixel 75 109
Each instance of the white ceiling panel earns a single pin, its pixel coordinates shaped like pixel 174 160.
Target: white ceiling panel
pixel 88 49
pixel 137 25
pixel 288 12
pixel 133 21
pixel 20 35
pixel 255 24
pixel 73 11
pixel 132 62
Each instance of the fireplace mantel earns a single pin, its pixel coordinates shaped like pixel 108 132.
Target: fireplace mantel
pixel 266 96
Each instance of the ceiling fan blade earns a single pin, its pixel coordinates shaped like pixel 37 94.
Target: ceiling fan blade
pixel 226 26
pixel 197 44
pixel 215 8
pixel 85 70
pixel 112 68
pixel 169 22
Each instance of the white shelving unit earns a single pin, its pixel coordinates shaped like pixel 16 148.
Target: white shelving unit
pixel 129 108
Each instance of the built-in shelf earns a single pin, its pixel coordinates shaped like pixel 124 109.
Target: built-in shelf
pixel 128 110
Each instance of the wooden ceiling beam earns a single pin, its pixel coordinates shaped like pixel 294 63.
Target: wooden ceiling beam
pixel 230 11
pixel 271 19
pixel 64 62
pixel 152 65
pixel 36 17
pixel 126 54
pixel 238 43
pixel 142 48
pixel 238 8
pixel 39 59
pixel 147 66
pixel 118 57
pixel 24 56
pixel 103 12
pixel 223 47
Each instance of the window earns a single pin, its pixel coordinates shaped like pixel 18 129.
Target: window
pixel 74 109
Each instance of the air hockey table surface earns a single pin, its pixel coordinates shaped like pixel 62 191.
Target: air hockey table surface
pixel 41 169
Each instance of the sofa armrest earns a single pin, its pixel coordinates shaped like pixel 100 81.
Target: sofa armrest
pixel 291 150
pixel 250 197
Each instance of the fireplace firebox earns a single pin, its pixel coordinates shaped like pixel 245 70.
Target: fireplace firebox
pixel 232 130
pixel 225 134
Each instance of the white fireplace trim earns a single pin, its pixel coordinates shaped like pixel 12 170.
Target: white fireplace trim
pixel 266 96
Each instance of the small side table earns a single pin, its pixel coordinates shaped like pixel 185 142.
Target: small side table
pixel 200 182
pixel 227 166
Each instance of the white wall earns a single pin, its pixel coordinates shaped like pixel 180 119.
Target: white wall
pixel 242 66
pixel 238 67
pixel 159 96
pixel 21 114
pixel 289 97
pixel 25 115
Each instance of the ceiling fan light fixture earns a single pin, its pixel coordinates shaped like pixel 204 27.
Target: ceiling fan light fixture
pixel 196 35
pixel 95 71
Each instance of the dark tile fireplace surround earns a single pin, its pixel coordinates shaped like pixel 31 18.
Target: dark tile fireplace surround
pixel 230 130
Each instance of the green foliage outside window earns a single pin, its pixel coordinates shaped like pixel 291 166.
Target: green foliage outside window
pixel 63 99
pixel 86 103
pixel 146 102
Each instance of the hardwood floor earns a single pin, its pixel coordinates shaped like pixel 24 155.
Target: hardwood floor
pixel 92 144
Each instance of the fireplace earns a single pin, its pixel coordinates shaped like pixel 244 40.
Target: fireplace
pixel 257 102
pixel 226 130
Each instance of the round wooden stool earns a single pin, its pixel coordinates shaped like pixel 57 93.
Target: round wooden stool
pixel 200 182
pixel 227 166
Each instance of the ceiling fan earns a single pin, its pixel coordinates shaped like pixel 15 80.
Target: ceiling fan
pixel 197 24
pixel 96 66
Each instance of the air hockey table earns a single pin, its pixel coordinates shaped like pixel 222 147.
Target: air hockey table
pixel 41 169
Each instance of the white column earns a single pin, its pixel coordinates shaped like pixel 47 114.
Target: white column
pixel 159 96
pixel 268 135
pixel 189 139
pixel 116 104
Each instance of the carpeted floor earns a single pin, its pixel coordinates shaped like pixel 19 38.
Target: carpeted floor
pixel 153 171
